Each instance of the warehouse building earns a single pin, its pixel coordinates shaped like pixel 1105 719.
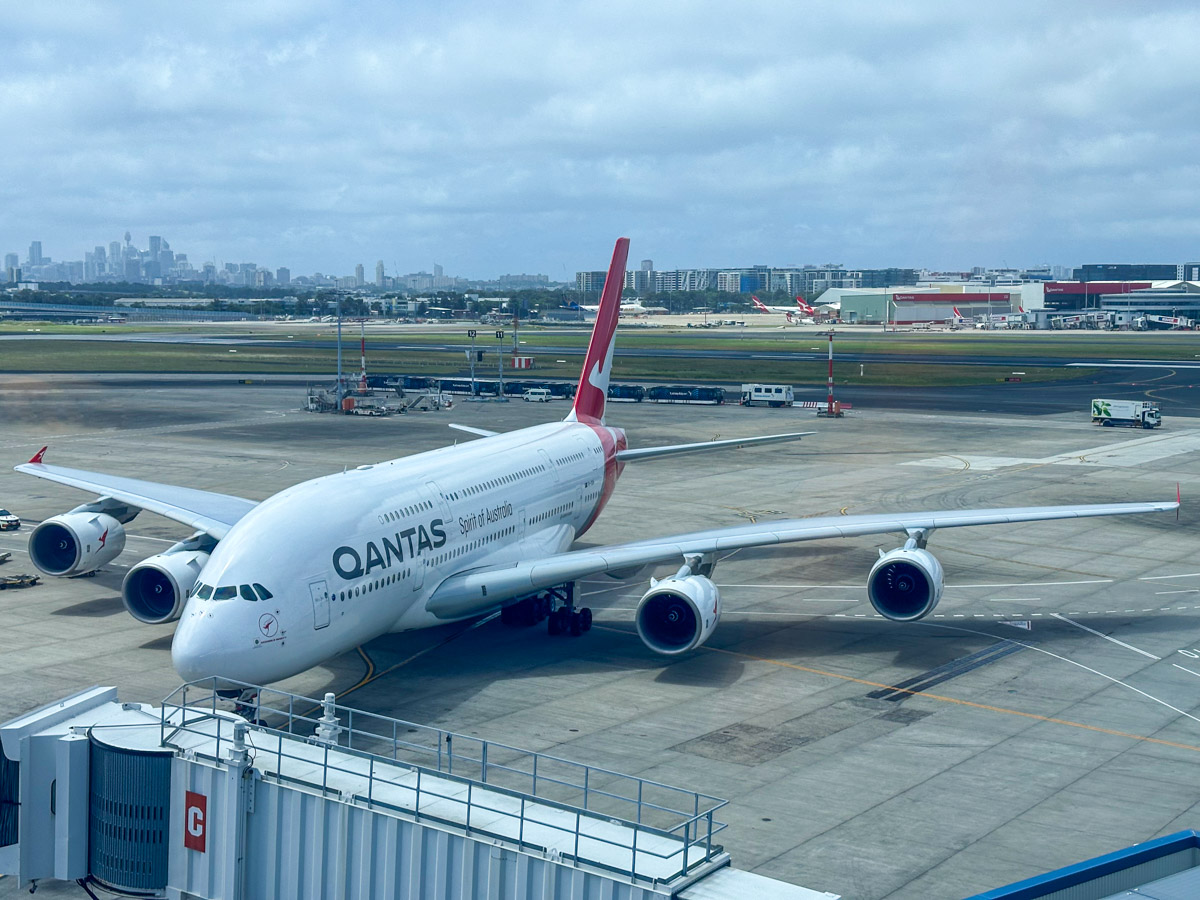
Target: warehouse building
pixel 923 307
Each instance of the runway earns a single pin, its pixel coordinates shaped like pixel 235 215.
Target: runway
pixel 1047 711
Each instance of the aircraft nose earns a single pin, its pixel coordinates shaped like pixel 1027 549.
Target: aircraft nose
pixel 196 651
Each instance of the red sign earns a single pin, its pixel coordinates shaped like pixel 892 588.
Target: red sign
pixel 195 821
pixel 960 299
pixel 1092 288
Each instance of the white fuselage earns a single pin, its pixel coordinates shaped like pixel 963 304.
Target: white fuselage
pixel 351 556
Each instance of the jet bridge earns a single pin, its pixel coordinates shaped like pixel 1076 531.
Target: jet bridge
pixel 296 797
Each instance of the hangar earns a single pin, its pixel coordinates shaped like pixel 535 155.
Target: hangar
pixel 910 307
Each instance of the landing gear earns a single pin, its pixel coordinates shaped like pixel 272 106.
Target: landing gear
pixel 246 706
pixel 526 612
pixel 556 606
pixel 568 620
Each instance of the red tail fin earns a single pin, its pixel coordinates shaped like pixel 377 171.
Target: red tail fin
pixel 593 382
pixel 758 304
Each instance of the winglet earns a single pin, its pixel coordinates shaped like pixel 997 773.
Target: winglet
pixel 593 382
pixel 37 457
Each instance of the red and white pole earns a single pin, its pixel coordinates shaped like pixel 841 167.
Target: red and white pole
pixel 362 349
pixel 829 412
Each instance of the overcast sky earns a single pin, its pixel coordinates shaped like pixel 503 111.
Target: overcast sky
pixel 524 137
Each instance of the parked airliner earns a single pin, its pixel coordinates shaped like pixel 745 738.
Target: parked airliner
pixel 264 590
pixel 801 315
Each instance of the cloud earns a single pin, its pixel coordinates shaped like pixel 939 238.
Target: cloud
pixel 525 137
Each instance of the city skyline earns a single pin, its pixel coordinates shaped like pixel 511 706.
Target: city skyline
pixel 318 135
pixel 124 261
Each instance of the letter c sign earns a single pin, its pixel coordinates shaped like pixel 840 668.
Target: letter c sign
pixel 195 821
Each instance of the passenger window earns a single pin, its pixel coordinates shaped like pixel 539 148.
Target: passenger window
pixel 263 593
pixel 228 592
pixel 247 593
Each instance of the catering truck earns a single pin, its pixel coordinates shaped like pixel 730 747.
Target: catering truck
pixel 1134 413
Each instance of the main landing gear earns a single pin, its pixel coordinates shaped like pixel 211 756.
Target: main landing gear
pixel 556 606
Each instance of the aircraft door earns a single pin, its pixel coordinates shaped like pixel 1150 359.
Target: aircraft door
pixel 549 463
pixel 320 600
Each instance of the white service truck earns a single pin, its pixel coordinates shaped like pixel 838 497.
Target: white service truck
pixel 1134 413
pixel 774 395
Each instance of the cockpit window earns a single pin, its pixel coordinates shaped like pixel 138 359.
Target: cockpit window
pixel 204 591
pixel 247 593
pixel 227 592
pixel 263 593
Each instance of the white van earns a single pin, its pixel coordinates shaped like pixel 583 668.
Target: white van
pixel 537 395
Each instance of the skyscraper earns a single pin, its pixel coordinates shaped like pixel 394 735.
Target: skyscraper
pixel 155 246
pixel 35 253
pixel 11 261
pixel 283 275
pixel 360 275
pixel 379 274
pixel 437 271
pixel 114 258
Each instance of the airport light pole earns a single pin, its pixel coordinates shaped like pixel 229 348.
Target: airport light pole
pixel 471 359
pixel 829 382
pixel 339 345
pixel 500 363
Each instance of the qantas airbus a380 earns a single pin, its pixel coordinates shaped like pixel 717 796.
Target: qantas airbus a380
pixel 261 593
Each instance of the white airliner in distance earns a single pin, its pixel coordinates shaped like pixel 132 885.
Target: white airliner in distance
pixel 265 590
pixel 628 308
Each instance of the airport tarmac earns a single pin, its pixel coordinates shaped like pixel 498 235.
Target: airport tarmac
pixel 1048 711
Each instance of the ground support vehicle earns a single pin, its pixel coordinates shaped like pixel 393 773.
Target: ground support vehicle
pixel 8 521
pixel 1133 413
pixel 682 393
pixel 773 395
pixel 18 581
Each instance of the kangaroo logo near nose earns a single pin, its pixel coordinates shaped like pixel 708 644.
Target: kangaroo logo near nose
pixel 268 625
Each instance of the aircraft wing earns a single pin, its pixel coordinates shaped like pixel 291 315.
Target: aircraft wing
pixel 212 513
pixel 481 590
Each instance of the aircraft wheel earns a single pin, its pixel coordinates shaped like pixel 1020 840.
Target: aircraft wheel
pixel 554 624
pixel 585 619
pixel 576 625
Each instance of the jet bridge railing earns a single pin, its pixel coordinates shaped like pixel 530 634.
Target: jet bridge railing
pixel 662 831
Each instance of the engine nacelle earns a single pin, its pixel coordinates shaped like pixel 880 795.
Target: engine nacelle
pixel 678 614
pixel 906 584
pixel 76 542
pixel 156 589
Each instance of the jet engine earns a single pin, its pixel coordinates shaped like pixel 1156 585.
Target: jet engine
pixel 678 614
pixel 905 584
pixel 76 542
pixel 156 589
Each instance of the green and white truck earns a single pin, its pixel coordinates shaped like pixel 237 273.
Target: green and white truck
pixel 1134 413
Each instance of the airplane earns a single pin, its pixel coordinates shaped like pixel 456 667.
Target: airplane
pixel 800 316
pixel 628 308
pixel 265 590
